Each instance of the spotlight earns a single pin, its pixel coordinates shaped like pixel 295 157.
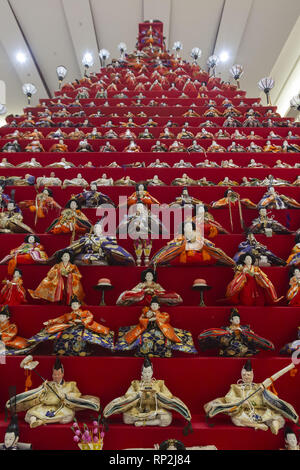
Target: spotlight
pixel 21 57
pixel 224 56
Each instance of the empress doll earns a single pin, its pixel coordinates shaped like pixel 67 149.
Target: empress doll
pixel 61 282
pixel 13 292
pixel 250 285
pixel 154 336
pixel 143 292
pixel 29 252
pixel 11 219
pixel 190 248
pixel 71 220
pixel 74 332
pixel 143 195
pixel 234 340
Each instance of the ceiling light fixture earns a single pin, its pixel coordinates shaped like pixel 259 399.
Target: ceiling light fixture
pixel 237 71
pixel 212 62
pixel 122 48
pixel 196 54
pixel 29 89
pixel 104 55
pixel 61 72
pixel 224 56
pixel 177 46
pixel 21 57
pixel 266 84
pixel 87 62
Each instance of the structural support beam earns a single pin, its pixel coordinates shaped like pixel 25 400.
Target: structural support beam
pixel 232 26
pixel 81 28
pixel 159 10
pixel 13 42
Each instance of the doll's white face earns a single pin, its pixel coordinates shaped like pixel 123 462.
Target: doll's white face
pixel 272 190
pixel 3 318
pixel 235 320
pixel 291 440
pixel 65 258
pixel 147 373
pixel 171 447
pixel 10 439
pixel 149 277
pixel 297 273
pixel 73 205
pixel 154 306
pixel 10 206
pixel 248 261
pixel 247 376
pixel 93 186
pixel 31 239
pixel 57 375
pixel 45 192
pixel 17 275
pixel 75 306
pixel 263 212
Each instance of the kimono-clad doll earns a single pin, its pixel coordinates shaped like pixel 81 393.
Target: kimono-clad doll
pixel 143 195
pixel 29 252
pixel 54 401
pixel 44 201
pixel 78 181
pixel 63 281
pixel 11 147
pixel 191 249
pixel 95 248
pixel 290 439
pixel 263 256
pixel 143 292
pixel 140 224
pixel 147 402
pixel 294 258
pixel 12 435
pixel 11 219
pixel 74 332
pixel 234 340
pixel 264 411
pixel 13 343
pixel 250 285
pixel 93 197
pixel 154 336
pixel 293 294
pixel 13 292
pixel 267 225
pixel 71 220
pixel 174 444
pixel 273 200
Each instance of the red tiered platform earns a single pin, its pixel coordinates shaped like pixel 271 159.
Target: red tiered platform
pixel 194 379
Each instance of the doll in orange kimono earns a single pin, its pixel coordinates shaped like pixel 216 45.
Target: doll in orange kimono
pixel 44 202
pixel 154 336
pixel 250 285
pixel 29 252
pixel 13 292
pixel 62 281
pixel 13 343
pixel 73 332
pixel 143 195
pixel 293 294
pixel 190 248
pixel 71 220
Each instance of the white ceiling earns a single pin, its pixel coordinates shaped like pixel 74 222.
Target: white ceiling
pixel 262 35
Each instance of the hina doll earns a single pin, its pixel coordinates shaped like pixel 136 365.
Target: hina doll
pixel 147 402
pixel 234 340
pixel 262 255
pixel 44 201
pixel 78 181
pixel 93 197
pixel 5 164
pixel 143 195
pixel 13 292
pixel 290 440
pixel 59 147
pixel 273 200
pixel 11 147
pixel 154 336
pixel 74 332
pixel 144 291
pixel 13 343
pixel 155 181
pixel 265 410
pixel 29 252
pixel 62 281
pixel 293 294
pixel 267 225
pixel 184 180
pixel 71 220
pixel 54 401
pixel 103 181
pixel 195 148
pixel 62 164
pixel 190 248
pixel 294 258
pixel 95 248
pixel 250 285
pixel 34 146
pixel 174 444
pixel 46 181
pixel 11 219
pixel 159 147
pixel 125 181
pixel 140 224
pixel 12 435
pixel 183 164
pixel 84 146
